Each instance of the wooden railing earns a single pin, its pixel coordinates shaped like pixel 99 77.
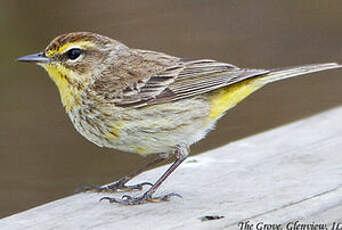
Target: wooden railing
pixel 288 174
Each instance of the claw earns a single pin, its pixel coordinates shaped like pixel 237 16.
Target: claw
pixel 167 197
pixel 129 200
pixel 110 199
pixel 126 197
pixel 163 198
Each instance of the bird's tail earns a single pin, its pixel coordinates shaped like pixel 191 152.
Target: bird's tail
pixel 288 72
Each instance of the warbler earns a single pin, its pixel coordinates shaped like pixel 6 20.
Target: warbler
pixel 146 102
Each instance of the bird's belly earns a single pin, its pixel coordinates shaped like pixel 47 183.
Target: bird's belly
pixel 161 128
pixel 147 130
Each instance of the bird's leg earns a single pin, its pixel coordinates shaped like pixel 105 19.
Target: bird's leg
pixel 147 196
pixel 121 183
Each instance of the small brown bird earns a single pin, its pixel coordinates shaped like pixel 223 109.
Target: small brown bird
pixel 146 102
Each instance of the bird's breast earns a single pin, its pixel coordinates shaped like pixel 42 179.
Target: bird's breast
pixel 147 130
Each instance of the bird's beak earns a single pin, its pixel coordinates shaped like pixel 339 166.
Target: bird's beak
pixel 35 58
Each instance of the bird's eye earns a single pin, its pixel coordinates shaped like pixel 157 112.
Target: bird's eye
pixel 74 53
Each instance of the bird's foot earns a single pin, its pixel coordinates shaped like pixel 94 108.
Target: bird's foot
pixel 146 197
pixel 114 187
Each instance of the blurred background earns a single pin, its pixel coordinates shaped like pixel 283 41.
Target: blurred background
pixel 42 157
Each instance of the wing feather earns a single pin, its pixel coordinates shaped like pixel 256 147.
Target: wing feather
pixel 195 78
pixel 159 78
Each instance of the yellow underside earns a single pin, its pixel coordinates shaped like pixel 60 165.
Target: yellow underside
pixel 226 98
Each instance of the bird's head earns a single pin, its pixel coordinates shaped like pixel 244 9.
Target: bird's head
pixel 74 60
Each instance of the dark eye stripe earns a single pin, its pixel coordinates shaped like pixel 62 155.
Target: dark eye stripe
pixel 74 53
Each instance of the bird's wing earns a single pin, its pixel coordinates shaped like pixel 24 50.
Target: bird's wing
pixel 199 77
pixel 184 78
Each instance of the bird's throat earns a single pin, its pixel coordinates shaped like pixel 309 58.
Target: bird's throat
pixel 69 93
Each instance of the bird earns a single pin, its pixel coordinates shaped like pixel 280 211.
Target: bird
pixel 147 102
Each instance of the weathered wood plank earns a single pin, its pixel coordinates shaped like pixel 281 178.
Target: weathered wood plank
pixel 290 173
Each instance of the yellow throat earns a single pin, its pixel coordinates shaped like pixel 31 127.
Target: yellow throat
pixel 69 93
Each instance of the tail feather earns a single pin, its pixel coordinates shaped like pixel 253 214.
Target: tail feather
pixel 288 72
